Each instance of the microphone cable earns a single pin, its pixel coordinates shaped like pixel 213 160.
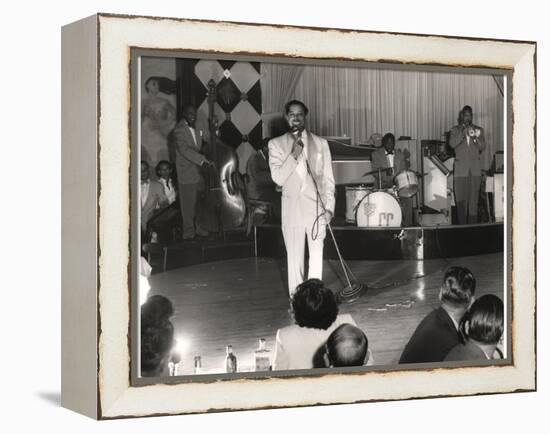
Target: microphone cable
pixel 315 227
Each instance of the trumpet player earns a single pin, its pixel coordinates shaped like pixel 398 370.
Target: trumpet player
pixel 468 141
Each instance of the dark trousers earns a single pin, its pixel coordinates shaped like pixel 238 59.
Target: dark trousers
pixel 407 211
pixel 165 222
pixel 188 194
pixel 467 196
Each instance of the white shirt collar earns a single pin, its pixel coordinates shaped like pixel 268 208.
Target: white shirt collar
pixel 454 322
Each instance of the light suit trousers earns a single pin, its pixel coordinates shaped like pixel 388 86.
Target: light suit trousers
pixel 295 231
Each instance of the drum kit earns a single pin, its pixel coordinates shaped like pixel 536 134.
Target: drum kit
pixel 368 206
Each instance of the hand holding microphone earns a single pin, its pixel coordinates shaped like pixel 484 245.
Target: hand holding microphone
pixel 298 145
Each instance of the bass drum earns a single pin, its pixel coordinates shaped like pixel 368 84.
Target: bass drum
pixel 379 209
pixel 354 195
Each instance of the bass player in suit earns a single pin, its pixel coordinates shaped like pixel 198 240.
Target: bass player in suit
pixel 189 139
pixel 300 162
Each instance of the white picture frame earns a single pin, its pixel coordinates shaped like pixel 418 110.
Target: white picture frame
pixel 96 216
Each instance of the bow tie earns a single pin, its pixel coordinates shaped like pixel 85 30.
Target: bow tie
pixel 389 153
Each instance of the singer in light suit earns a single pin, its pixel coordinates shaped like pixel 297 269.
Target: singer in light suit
pixel 301 164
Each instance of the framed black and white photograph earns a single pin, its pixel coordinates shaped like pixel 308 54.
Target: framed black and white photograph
pixel 289 216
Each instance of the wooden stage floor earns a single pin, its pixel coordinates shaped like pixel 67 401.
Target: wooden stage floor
pixel 236 302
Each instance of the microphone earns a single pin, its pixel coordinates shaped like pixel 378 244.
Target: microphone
pixel 298 135
pixel 297 141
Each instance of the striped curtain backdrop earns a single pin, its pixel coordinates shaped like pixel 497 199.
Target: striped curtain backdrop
pixel 359 102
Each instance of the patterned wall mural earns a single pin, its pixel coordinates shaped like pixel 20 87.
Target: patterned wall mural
pixel 238 106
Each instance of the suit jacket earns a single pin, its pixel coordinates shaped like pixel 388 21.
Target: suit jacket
pixel 379 160
pixel 296 347
pixel 155 197
pixel 466 156
pixel 188 157
pixel 467 351
pixel 260 185
pixel 432 340
pixel 296 196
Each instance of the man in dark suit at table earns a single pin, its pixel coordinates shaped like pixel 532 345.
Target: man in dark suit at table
pixel 189 139
pixel 468 141
pixel 391 161
pixel 438 332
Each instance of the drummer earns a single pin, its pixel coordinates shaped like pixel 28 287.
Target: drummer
pixel 390 162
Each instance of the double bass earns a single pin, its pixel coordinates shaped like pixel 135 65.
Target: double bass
pixel 223 204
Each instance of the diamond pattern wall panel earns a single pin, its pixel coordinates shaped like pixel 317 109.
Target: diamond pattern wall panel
pixel 230 134
pixel 218 111
pixel 255 97
pixel 228 94
pixel 208 69
pixel 244 75
pixel 245 117
pixel 226 64
pixel 238 103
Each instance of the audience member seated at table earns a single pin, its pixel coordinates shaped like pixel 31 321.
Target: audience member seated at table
pixel 438 332
pixel 165 220
pixel 316 317
pixel 157 336
pixel 152 197
pixel 482 327
pixel 157 308
pixel 165 175
pixel 346 346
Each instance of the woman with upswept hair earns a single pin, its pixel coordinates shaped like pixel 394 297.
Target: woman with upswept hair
pixel 481 327
pixel 316 316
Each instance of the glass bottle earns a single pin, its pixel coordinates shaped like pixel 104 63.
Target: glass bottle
pixel 230 360
pixel 173 364
pixel 262 357
pixel 198 365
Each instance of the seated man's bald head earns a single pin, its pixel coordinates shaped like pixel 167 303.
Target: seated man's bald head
pixel 347 346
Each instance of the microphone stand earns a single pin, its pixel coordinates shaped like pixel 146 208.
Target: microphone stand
pixel 351 292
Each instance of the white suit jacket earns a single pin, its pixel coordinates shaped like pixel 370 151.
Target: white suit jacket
pixel 295 196
pixel 297 347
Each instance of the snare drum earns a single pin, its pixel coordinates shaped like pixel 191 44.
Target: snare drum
pixel 406 183
pixel 354 195
pixel 379 209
